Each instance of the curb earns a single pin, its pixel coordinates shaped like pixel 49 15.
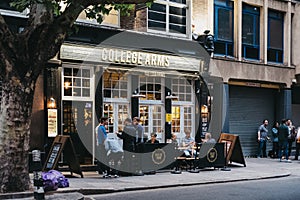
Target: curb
pixel 92 191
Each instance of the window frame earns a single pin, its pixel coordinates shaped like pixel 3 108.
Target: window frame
pixel 250 10
pixel 122 81
pixel 90 87
pixel 228 6
pixel 167 31
pixel 274 15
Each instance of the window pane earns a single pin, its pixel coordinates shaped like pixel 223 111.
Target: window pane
pixel 248 29
pixel 68 71
pixel 114 82
pixel 177 29
pixel 177 11
pixel 220 48
pixel 276 34
pixel 179 1
pixel 158 7
pixel 157 16
pixel 157 25
pixel 177 20
pixel 225 24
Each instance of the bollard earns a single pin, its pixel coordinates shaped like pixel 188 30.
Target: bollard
pixel 38 183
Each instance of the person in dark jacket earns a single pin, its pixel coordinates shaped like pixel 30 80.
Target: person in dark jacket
pixel 275 139
pixel 283 133
pixel 128 136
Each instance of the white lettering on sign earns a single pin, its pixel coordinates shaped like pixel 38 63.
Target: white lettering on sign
pixel 133 57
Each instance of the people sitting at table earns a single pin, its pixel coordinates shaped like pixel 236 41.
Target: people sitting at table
pixel 188 144
pixel 208 138
pixel 153 139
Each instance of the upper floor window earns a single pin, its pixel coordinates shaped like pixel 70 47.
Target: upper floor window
pixel 182 88
pixel 275 36
pixel 151 87
pixel 115 84
pixel 169 16
pixel 77 82
pixel 250 32
pixel 223 20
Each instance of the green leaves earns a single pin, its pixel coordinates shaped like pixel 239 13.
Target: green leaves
pixel 21 5
pixel 54 5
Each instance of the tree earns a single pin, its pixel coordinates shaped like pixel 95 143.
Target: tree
pixel 22 58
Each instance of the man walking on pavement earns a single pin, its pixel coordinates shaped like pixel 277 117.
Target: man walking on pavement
pixel 283 133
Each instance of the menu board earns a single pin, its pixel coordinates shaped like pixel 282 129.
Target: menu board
pixel 53 156
pixel 62 143
pixel 233 148
pixel 52 122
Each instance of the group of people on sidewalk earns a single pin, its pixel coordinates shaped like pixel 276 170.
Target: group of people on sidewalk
pixel 111 153
pixel 284 135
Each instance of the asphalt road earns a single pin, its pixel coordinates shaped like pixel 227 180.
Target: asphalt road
pixel 287 188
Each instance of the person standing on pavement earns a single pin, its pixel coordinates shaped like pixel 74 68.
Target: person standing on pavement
pixel 101 136
pixel 275 139
pixel 283 133
pixel 140 137
pixel 297 144
pixel 262 137
pixel 128 137
pixel 291 137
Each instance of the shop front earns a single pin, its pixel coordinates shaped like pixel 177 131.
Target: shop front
pixel 160 85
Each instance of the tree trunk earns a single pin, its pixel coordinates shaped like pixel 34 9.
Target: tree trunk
pixel 15 112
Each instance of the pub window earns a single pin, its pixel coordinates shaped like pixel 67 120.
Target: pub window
pixel 115 84
pixel 182 88
pixel 175 119
pixel 108 111
pixel 275 36
pixel 150 87
pixel 77 82
pixel 250 32
pixel 169 16
pixel 188 118
pixel 223 20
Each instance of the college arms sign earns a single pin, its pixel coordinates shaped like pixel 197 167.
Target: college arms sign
pixel 111 55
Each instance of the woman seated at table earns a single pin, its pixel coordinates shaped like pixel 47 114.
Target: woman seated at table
pixel 153 139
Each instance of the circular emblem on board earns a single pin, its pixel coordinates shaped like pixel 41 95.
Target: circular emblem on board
pixel 212 155
pixel 158 156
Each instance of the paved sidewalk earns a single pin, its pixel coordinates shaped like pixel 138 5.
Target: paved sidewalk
pixel 92 183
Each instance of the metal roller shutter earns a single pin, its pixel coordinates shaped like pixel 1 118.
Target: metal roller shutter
pixel 247 109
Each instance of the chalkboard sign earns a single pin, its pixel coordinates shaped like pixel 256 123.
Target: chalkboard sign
pixel 63 143
pixel 233 148
pixel 53 158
